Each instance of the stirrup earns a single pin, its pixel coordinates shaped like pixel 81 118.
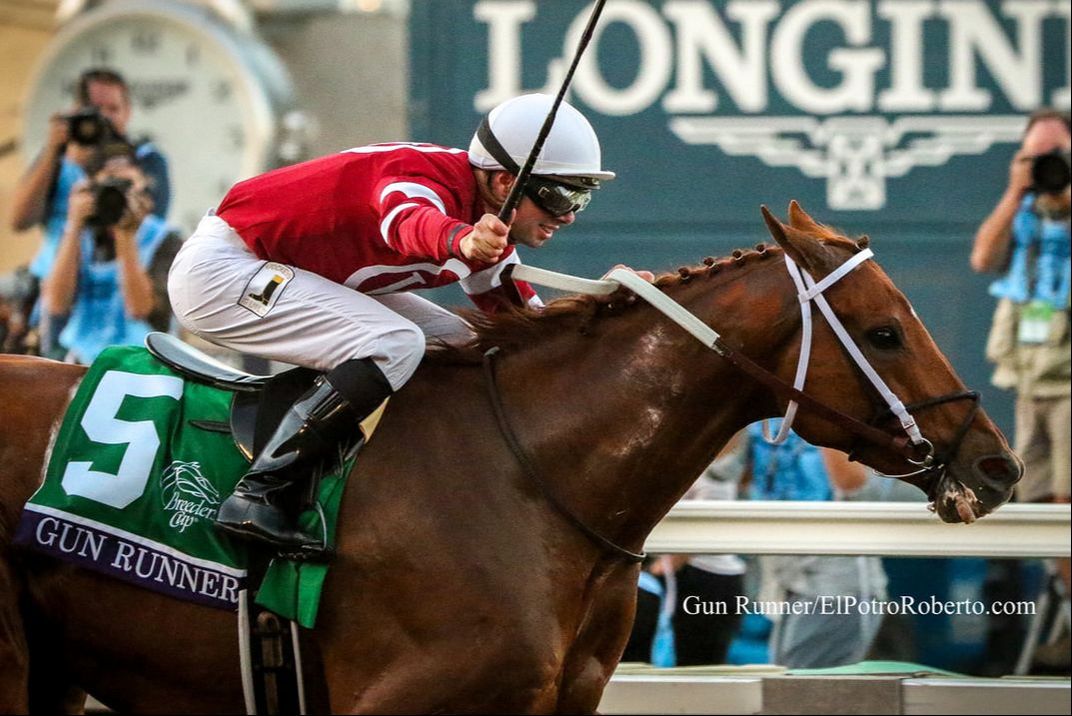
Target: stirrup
pixel 307 552
pixel 311 554
pixel 255 518
pixel 244 524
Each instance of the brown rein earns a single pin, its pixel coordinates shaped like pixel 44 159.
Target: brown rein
pixel 530 471
pixel 778 386
pixel 898 444
pixel 941 458
pixel 782 389
pixel 922 454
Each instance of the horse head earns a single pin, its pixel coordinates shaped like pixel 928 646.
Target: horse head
pixel 813 330
pixel 939 439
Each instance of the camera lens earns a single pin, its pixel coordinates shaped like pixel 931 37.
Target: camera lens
pixel 110 201
pixel 88 127
pixel 1051 173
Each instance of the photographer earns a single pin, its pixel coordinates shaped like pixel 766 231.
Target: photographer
pixel 1026 237
pixel 101 116
pixel 111 268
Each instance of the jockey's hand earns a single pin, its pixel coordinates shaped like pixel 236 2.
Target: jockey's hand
pixel 646 275
pixel 487 241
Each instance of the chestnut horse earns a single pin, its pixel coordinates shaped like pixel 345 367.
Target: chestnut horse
pixel 459 584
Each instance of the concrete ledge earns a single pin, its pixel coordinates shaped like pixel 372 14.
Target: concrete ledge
pixel 639 690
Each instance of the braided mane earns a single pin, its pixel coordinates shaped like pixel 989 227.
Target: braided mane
pixel 513 329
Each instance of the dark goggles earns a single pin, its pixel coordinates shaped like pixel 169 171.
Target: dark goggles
pixel 557 199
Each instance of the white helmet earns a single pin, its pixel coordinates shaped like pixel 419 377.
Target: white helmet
pixel 508 132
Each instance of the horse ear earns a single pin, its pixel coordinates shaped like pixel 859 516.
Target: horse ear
pixel 805 251
pixel 775 227
pixel 799 219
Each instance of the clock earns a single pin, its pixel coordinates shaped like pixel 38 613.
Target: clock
pixel 205 89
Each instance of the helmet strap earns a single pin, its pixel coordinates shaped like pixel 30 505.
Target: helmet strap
pixel 495 149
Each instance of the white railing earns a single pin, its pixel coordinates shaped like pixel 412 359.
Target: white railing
pixel 900 529
pixel 680 692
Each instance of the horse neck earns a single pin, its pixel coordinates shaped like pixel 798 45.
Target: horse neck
pixel 620 423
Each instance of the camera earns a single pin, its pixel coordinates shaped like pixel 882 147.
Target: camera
pixel 109 202
pixel 1051 172
pixel 89 127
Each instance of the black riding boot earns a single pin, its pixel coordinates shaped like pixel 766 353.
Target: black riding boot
pixel 310 431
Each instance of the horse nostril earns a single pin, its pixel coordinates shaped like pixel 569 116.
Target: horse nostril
pixel 999 472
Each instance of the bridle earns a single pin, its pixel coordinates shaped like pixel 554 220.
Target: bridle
pixel 912 446
pixel 938 460
pixel 917 450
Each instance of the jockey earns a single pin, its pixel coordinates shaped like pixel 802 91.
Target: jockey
pixel 313 265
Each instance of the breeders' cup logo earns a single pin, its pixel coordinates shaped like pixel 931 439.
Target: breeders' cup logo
pixel 187 494
pixel 878 87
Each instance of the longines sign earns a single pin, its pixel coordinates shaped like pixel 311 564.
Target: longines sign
pixel 849 93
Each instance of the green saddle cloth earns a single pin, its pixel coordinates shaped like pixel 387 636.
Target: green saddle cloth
pixel 133 485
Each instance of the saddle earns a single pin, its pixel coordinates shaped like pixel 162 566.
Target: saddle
pixel 259 401
pixel 270 645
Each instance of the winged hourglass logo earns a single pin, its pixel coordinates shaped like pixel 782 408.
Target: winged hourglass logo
pixel 854 154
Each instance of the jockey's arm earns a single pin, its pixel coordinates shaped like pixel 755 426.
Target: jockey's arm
pixel 417 218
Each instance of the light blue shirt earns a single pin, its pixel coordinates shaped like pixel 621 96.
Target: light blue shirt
pixel 69 175
pixel 98 315
pixel 793 470
pixel 1039 266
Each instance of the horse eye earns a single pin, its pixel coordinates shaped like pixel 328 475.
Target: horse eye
pixel 884 338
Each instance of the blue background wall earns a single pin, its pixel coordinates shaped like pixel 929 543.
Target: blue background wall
pixel 675 202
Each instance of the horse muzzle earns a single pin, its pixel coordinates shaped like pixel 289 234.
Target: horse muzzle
pixel 988 484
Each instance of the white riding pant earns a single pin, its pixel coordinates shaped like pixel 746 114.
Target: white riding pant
pixel 222 292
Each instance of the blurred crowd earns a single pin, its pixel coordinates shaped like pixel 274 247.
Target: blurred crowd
pixel 100 199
